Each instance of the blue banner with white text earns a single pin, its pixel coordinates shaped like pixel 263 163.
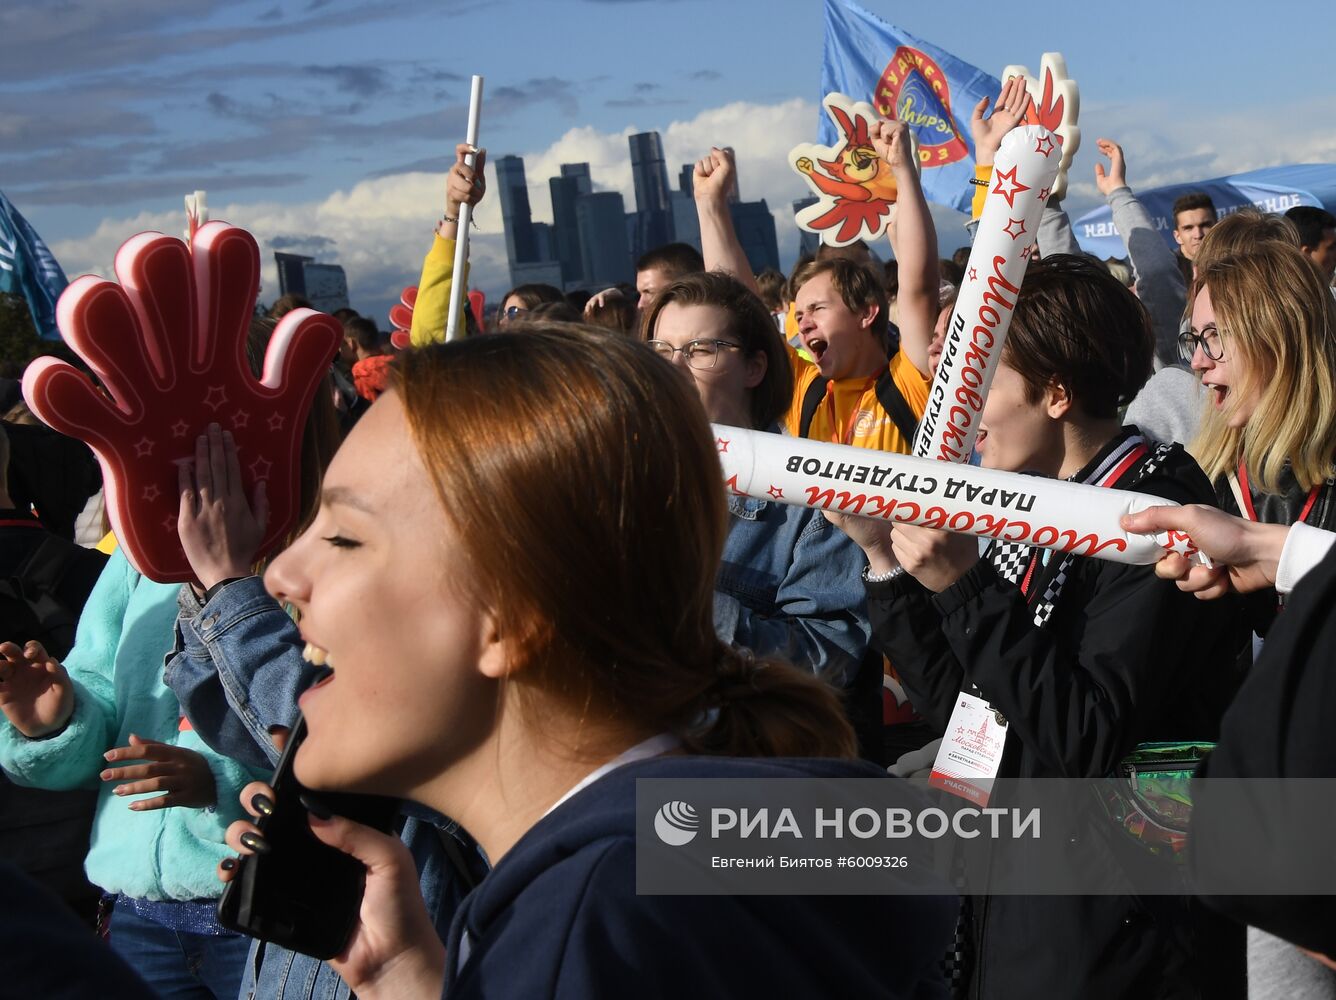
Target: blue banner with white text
pixel 28 268
pixel 931 90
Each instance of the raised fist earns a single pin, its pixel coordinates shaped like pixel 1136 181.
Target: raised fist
pixel 804 163
pixel 168 345
pixel 714 176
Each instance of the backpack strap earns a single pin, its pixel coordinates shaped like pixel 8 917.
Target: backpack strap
pixel 888 395
pixel 896 406
pixel 816 392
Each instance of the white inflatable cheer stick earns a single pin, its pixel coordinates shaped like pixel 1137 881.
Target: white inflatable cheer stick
pixel 1049 513
pixel 1023 173
pixel 457 289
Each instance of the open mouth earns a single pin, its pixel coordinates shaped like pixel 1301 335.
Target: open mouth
pixel 315 655
pixel 980 438
pixel 1218 394
pixel 816 346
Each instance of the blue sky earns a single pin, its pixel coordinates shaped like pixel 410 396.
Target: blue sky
pixel 323 125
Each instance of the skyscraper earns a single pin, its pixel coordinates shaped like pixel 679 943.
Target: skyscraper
pixel 807 242
pixel 755 227
pixel 654 225
pixel 606 258
pixel 521 247
pixel 579 172
pixel 291 272
pixel 649 172
pixel 565 227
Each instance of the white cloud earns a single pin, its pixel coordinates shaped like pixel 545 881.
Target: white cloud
pixel 382 226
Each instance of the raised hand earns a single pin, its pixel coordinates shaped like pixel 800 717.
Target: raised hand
pixel 891 141
pixel 35 691
pixel 1116 176
pixel 464 185
pixel 168 345
pixel 181 774
pixel 599 300
pixel 1010 109
pixel 220 530
pixel 712 178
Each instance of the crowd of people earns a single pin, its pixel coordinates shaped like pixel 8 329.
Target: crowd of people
pixel 518 586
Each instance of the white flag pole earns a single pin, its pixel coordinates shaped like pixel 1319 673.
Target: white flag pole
pixel 457 284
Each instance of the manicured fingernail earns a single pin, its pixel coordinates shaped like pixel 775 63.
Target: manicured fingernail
pixel 254 842
pixel 262 804
pixel 228 864
pixel 105 775
pixel 118 790
pixel 315 806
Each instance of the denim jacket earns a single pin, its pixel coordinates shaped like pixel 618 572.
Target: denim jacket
pixel 237 670
pixel 791 585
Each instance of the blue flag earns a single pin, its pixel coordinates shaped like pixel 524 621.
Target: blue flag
pixel 931 90
pixel 27 267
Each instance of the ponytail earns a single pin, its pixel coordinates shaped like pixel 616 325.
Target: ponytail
pixel 768 708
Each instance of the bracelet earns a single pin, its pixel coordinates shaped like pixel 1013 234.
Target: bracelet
pixel 446 218
pixel 979 181
pixel 886 577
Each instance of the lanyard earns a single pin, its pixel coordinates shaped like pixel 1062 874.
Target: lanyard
pixel 1112 469
pixel 848 436
pixel 1245 494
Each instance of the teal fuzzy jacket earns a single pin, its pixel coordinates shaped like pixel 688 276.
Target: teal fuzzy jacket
pixel 126 632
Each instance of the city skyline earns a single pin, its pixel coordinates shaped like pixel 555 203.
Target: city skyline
pixel 593 241
pixel 325 127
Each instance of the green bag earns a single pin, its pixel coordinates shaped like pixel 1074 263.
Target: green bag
pixel 1149 796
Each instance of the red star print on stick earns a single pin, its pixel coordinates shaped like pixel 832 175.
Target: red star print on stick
pixel 1003 247
pixel 168 345
pixel 1008 186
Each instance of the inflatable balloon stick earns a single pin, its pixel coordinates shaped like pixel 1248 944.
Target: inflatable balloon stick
pixel 854 186
pixel 168 346
pixel 1057 103
pixel 455 314
pixel 1023 173
pixel 1050 513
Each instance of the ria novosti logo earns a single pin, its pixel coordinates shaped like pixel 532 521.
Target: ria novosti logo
pixel 676 823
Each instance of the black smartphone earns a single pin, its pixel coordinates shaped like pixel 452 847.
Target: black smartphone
pixel 302 894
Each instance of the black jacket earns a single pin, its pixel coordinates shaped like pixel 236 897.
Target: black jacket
pixel 1279 727
pixel 1124 658
pixel 559 915
pixel 1285 507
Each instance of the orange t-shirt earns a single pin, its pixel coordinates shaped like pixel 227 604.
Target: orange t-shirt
pixel 860 419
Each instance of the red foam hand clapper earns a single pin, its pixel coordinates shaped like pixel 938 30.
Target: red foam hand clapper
pixel 401 317
pixel 169 346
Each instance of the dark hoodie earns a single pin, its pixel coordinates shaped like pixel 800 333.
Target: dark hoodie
pixel 559 915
